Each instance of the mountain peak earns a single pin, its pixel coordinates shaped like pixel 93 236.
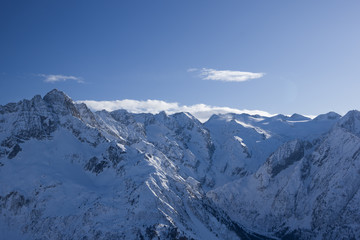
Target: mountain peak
pixel 56 95
pixel 298 117
pixel 278 117
pixel 184 116
pixel 162 115
pixel 61 102
pixel 351 122
pixel 328 116
pixel 352 115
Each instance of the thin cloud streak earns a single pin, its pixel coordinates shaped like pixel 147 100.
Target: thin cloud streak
pixel 192 70
pixel 201 111
pixel 226 75
pixel 59 78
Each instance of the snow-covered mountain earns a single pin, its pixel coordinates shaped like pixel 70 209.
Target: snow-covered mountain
pixel 69 173
pixel 305 189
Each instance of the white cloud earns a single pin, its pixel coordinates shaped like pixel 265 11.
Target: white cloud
pixel 200 111
pixel 226 75
pixel 192 70
pixel 60 78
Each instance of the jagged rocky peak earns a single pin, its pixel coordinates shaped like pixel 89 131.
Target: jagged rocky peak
pixel 86 114
pixel 35 104
pixel 353 115
pixel 186 120
pixel 128 118
pixel 55 96
pixel 24 105
pixel 184 116
pixel 351 122
pixel 37 118
pixel 120 114
pixel 214 117
pixel 37 99
pixel 61 103
pixel 328 116
pixel 162 116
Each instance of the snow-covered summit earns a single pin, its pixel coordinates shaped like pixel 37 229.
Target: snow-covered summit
pixel 327 116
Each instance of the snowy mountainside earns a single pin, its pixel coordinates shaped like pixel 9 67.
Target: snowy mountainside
pixel 304 190
pixel 69 173
pixel 243 142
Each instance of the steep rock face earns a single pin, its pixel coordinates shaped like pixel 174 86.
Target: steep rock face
pixel 27 118
pixel 60 103
pixel 351 122
pixel 286 155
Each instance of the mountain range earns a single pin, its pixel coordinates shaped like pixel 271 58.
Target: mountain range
pixel 67 172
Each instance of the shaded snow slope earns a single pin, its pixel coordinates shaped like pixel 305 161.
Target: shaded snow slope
pixel 305 189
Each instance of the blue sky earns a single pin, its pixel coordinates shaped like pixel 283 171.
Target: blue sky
pixel 306 53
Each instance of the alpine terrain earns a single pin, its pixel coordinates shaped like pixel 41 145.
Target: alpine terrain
pixel 67 172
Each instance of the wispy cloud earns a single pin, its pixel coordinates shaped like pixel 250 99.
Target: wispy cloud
pixel 226 75
pixel 201 111
pixel 60 78
pixel 192 70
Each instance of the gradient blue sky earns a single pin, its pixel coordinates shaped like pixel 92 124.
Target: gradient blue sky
pixel 308 50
